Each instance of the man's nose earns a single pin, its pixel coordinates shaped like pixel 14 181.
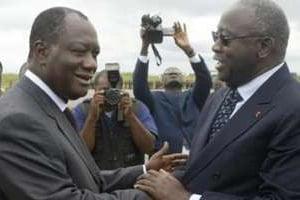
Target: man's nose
pixel 90 62
pixel 216 47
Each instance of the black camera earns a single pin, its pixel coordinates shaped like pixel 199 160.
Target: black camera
pixel 113 94
pixel 154 31
pixel 112 97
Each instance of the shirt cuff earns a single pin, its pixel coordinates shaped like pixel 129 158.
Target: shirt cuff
pixel 143 59
pixel 196 197
pixel 195 59
pixel 144 169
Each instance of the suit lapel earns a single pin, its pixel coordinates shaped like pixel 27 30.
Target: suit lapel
pixel 63 123
pixel 248 115
pixel 205 122
pixel 77 143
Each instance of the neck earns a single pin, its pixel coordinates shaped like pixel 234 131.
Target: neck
pixel 40 73
pixel 262 68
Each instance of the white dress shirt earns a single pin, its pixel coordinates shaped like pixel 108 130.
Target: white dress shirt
pixel 246 91
pixel 62 105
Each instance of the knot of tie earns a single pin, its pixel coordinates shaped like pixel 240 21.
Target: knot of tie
pixel 225 111
pixel 234 96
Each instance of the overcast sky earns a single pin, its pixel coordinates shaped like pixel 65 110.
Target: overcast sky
pixel 117 23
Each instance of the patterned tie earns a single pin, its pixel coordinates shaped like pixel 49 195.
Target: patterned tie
pixel 70 117
pixel 224 112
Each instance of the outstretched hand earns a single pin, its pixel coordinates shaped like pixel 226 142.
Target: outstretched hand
pixel 160 160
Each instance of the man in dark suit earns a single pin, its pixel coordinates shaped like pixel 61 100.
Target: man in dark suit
pixel 41 155
pixel 248 142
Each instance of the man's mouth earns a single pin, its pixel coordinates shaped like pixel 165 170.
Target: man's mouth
pixel 84 78
pixel 220 62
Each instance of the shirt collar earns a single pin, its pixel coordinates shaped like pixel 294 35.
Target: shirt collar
pixel 248 89
pixel 62 105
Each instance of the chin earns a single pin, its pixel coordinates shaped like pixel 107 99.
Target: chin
pixel 174 84
pixel 222 77
pixel 77 94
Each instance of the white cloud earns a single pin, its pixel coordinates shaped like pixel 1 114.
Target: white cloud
pixel 117 23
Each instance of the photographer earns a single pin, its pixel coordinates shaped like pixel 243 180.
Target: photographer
pixel 115 142
pixel 174 111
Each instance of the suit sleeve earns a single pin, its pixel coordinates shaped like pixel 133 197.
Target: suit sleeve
pixel 122 178
pixel 141 88
pixel 33 166
pixel 280 170
pixel 203 83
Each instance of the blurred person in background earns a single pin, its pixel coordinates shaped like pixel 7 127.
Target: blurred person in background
pixel 175 111
pixel 113 142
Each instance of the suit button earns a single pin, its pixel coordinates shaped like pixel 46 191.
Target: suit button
pixel 217 175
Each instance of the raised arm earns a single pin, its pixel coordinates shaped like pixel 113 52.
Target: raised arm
pixel 141 88
pixel 203 81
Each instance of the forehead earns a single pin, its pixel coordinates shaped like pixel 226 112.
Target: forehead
pixel 102 77
pixel 78 29
pixel 238 20
pixel 172 70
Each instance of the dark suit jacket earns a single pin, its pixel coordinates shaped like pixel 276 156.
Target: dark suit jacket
pixel 257 153
pixel 42 157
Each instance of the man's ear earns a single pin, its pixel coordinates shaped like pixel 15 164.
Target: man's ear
pixel 265 47
pixel 41 51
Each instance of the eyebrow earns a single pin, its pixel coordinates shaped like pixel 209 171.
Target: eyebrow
pixel 85 44
pixel 224 30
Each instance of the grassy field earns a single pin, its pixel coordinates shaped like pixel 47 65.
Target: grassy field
pixel 8 80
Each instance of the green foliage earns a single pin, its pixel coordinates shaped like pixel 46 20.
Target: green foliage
pixel 296 77
pixel 8 80
pixel 127 76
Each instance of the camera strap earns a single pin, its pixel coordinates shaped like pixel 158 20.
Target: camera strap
pixel 156 54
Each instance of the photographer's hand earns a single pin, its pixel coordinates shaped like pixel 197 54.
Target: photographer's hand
pixel 97 105
pixel 126 105
pixel 181 39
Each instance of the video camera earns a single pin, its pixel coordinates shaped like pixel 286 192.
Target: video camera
pixel 154 31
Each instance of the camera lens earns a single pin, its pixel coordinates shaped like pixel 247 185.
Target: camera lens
pixel 112 96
